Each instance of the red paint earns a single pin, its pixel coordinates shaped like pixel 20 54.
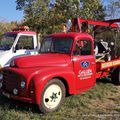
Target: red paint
pixel 22 32
pixel 78 72
pixel 44 67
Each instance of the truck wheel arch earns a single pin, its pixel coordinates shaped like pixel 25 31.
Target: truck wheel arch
pixel 65 84
pixel 40 86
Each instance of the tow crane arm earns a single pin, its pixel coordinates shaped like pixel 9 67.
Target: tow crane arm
pixel 79 21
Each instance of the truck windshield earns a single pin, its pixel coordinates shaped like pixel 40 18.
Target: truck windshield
pixel 7 41
pixel 56 45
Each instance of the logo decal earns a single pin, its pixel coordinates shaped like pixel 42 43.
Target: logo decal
pixel 85 64
pixel 85 74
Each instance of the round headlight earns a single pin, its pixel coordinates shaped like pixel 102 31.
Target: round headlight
pixel 1 76
pixel 15 91
pixel 22 84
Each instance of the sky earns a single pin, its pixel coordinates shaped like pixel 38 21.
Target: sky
pixel 8 11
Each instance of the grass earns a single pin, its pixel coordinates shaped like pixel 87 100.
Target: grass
pixel 101 102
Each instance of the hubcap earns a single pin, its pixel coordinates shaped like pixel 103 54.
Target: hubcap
pixel 52 96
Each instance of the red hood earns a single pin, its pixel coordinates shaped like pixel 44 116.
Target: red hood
pixel 42 60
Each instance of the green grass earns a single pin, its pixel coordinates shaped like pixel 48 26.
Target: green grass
pixel 101 102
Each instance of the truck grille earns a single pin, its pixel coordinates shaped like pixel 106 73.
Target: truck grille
pixel 10 80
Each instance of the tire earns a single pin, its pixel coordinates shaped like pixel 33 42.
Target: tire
pixel 115 76
pixel 52 96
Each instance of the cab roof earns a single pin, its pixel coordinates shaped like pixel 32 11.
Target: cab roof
pixel 71 34
pixel 22 32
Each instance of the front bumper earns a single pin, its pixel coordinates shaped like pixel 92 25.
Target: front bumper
pixel 15 97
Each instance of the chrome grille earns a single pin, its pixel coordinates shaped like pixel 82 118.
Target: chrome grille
pixel 10 80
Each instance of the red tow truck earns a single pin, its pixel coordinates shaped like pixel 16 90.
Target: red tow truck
pixel 68 63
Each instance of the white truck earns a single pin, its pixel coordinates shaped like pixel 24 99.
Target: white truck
pixel 19 42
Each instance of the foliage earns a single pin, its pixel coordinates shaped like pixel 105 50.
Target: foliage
pixel 93 11
pixel 46 16
pixel 6 26
pixel 36 13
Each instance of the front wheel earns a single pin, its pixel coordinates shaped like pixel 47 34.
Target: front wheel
pixel 52 96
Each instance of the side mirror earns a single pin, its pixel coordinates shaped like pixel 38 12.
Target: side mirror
pixel 38 46
pixel 14 49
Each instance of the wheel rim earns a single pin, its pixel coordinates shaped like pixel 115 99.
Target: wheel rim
pixel 52 96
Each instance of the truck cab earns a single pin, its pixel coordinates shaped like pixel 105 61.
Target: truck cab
pixel 19 42
pixel 66 63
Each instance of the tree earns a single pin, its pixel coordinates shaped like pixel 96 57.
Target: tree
pixel 94 11
pixel 36 13
pixel 46 16
pixel 6 26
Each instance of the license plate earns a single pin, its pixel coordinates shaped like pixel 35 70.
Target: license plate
pixel 6 94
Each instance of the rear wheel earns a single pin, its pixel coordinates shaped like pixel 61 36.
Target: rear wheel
pixel 53 96
pixel 115 76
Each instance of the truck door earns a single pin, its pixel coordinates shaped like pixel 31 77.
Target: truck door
pixel 24 46
pixel 84 64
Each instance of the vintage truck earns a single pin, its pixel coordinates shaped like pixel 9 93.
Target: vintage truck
pixel 16 43
pixel 66 65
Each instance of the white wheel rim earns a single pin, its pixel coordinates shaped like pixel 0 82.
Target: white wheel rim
pixel 52 96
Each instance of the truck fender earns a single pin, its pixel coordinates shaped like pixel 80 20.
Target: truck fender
pixel 41 79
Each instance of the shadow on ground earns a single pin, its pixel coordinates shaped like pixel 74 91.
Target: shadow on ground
pixel 6 103
pixel 105 81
